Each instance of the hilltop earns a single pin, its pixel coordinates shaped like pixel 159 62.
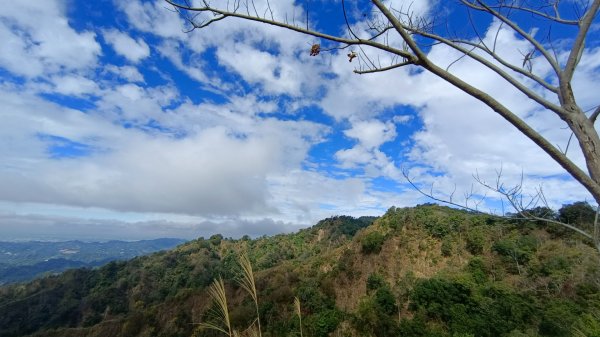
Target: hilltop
pixel 420 271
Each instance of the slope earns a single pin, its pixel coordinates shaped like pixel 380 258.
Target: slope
pixel 422 271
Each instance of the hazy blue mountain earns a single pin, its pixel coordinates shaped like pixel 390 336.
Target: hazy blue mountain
pixel 22 261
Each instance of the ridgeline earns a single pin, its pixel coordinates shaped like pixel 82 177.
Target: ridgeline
pixel 421 271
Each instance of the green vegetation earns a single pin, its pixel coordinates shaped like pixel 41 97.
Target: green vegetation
pixel 24 261
pixel 422 271
pixel 372 243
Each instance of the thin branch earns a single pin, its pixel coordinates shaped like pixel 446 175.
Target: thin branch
pixel 518 85
pixel 332 38
pixel 512 196
pixel 510 66
pixel 555 18
pixel 346 20
pixel 485 8
pixel 579 43
pixel 377 70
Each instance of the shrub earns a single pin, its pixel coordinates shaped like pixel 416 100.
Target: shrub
pixel 446 247
pixel 475 241
pixel 375 281
pixel 324 322
pixel 372 243
pixel 216 239
pixel 385 301
pixel 478 270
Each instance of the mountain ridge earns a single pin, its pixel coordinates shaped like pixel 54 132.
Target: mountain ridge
pixel 420 271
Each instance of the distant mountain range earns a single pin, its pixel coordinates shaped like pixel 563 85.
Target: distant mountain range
pixel 23 261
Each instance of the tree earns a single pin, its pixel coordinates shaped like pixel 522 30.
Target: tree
pixel 406 38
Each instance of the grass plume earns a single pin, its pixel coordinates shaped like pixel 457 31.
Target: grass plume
pixel 298 312
pixel 221 314
pixel 246 281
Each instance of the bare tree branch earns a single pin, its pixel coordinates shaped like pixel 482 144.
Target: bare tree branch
pixel 417 34
pixel 556 17
pixel 483 7
pixel 578 45
pixel 332 38
pixel 377 70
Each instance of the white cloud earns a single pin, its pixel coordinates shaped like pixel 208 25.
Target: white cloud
pixel 129 73
pixel 216 169
pixel 373 133
pixel 125 45
pixel 153 17
pixel 462 137
pixel 37 40
pixel 239 157
pixel 74 85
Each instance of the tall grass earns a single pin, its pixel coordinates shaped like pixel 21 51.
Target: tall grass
pixel 246 281
pixel 220 313
pixel 298 312
pixel 220 320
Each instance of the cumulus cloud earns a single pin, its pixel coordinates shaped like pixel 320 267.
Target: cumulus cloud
pixel 129 73
pixel 37 40
pixel 132 49
pixel 74 85
pixel 136 149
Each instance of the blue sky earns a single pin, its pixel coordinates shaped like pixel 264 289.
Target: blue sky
pixel 118 125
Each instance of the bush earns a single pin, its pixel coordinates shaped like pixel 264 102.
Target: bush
pixel 438 227
pixel 375 281
pixel 372 243
pixel 216 239
pixel 475 241
pixel 385 301
pixel 446 247
pixel 435 297
pixel 369 320
pixel 478 270
pixel 324 323
pixel 558 317
pixel 520 249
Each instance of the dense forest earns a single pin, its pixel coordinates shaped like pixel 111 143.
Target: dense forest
pixel 421 271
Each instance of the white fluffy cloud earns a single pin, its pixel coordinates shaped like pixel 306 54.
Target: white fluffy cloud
pixel 132 49
pixel 147 152
pixel 37 40
pixel 74 85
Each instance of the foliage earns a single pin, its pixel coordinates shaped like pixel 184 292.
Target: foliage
pixel 475 240
pixel 375 281
pixel 579 213
pixel 446 247
pixel 588 325
pixel 517 248
pixel 553 294
pixel 372 243
pixel 323 323
pixel 385 301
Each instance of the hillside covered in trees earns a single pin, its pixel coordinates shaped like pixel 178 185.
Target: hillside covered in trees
pixel 24 261
pixel 422 271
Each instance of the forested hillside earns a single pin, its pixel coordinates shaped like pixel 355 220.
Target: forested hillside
pixel 422 271
pixel 23 261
